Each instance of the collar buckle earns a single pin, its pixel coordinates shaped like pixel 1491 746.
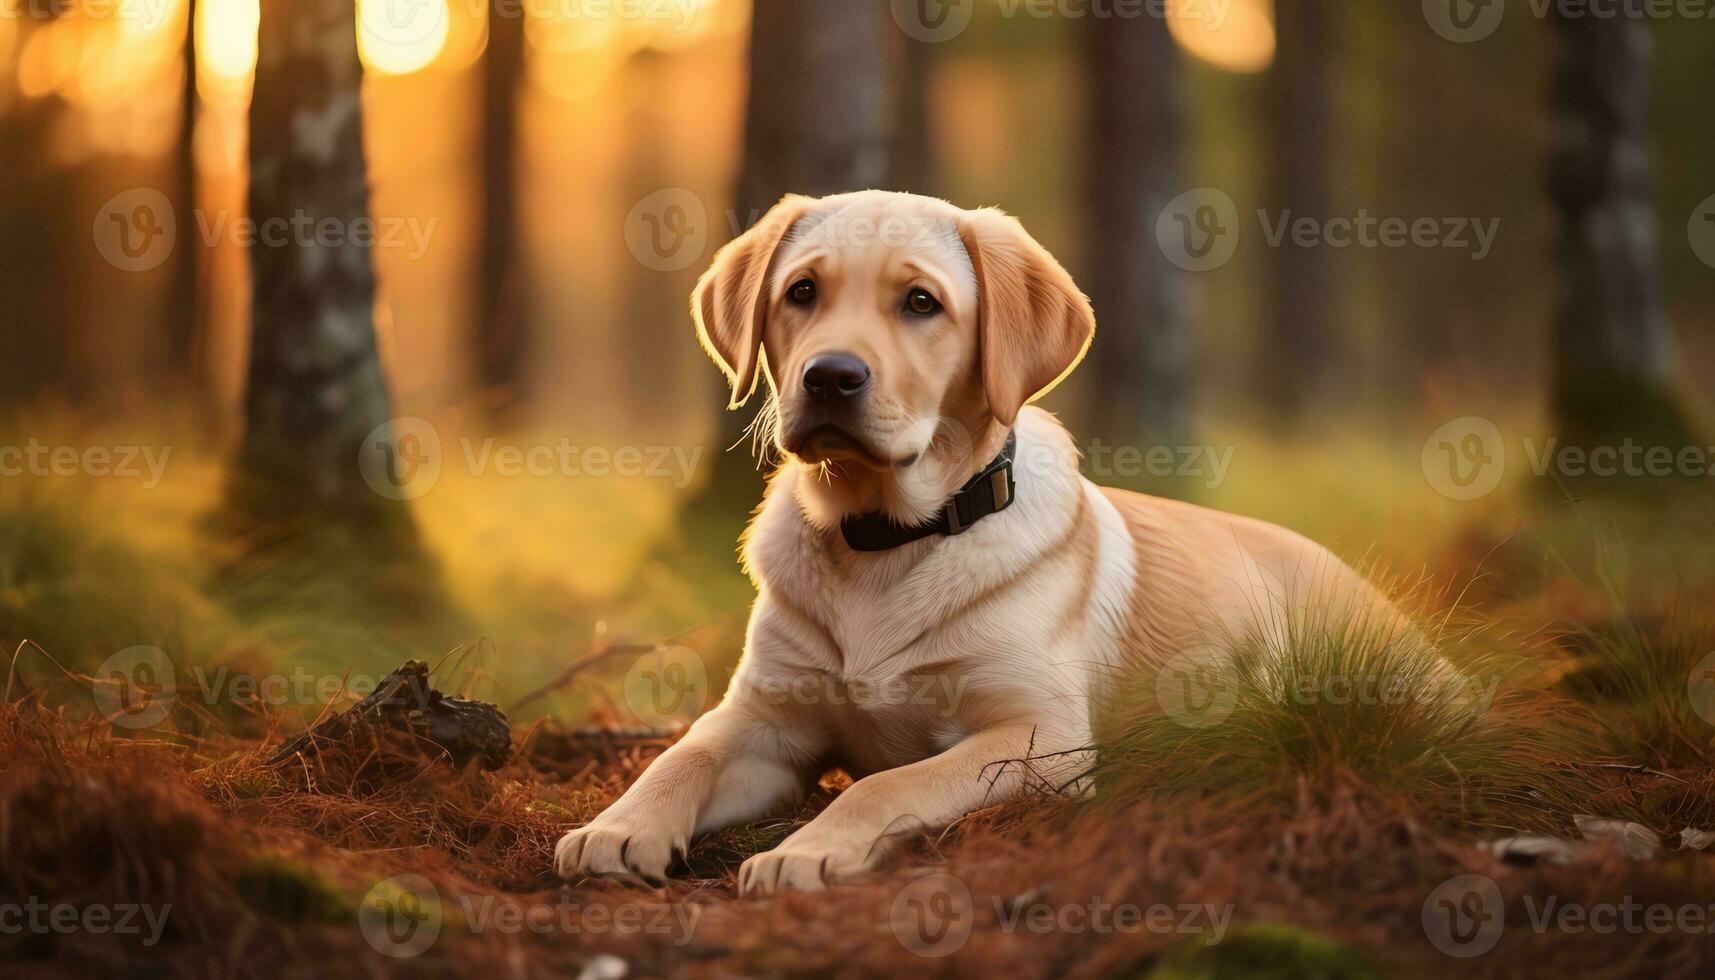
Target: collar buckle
pixel 954 526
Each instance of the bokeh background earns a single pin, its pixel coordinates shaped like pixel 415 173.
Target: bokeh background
pixel 556 173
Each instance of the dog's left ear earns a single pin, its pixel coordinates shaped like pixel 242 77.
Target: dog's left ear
pixel 731 299
pixel 1033 321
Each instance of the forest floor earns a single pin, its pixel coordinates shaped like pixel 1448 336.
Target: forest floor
pixel 1339 836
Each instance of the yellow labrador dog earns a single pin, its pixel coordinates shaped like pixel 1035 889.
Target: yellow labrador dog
pixel 941 596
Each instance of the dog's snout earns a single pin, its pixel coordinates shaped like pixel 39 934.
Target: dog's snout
pixel 833 377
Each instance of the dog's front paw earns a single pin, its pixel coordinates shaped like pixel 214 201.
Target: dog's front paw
pixel 621 848
pixel 807 867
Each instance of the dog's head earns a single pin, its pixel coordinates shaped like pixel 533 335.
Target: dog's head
pixel 883 322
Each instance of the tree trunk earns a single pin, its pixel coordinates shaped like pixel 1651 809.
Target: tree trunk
pixel 1299 345
pixel 186 355
pixel 819 119
pixel 503 329
pixel 1613 348
pixel 1141 389
pixel 316 387
pixel 913 159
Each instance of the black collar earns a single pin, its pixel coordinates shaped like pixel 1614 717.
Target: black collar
pixel 989 492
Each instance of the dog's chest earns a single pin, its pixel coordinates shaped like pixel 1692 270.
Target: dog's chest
pixel 891 674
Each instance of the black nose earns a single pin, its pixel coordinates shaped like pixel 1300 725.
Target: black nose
pixel 832 377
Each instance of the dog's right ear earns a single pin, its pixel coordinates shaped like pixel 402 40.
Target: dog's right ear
pixel 731 299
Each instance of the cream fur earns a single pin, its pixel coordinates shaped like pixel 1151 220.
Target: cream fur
pixel 952 672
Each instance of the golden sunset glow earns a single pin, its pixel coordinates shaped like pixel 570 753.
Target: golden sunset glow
pixel 397 37
pixel 573 56
pixel 226 43
pixel 1240 39
pixel 48 57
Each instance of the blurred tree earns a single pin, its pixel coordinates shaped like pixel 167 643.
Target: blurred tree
pixel 38 230
pixel 316 387
pixel 1298 347
pixel 819 119
pixel 1613 346
pixel 185 355
pixel 502 326
pixel 820 115
pixel 1141 385
pixel 912 162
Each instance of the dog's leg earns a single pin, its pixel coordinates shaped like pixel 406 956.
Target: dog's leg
pixel 852 833
pixel 730 767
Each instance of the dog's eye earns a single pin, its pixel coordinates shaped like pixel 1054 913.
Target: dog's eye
pixel 918 302
pixel 802 293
